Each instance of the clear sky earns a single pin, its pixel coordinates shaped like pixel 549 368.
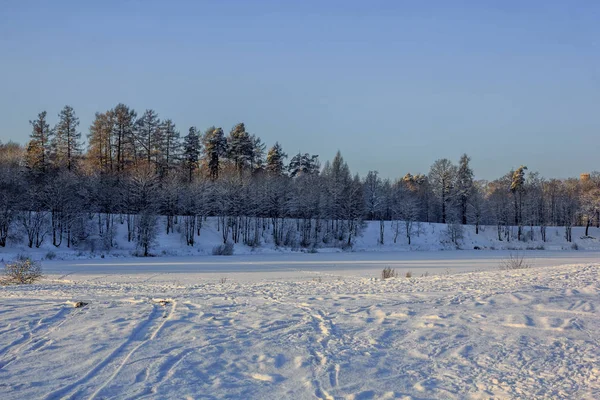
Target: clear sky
pixel 394 85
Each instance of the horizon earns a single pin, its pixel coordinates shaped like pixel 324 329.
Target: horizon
pixel 392 87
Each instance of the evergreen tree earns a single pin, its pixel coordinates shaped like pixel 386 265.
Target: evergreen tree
pixel 464 186
pixel 39 147
pixel 256 159
pixel 517 188
pixel 240 147
pixel 275 158
pixel 215 148
pixel 304 164
pixel 191 152
pixel 66 145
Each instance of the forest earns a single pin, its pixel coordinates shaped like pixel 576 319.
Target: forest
pixel 135 168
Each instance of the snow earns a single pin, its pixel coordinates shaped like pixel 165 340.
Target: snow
pixel 305 326
pixel 426 237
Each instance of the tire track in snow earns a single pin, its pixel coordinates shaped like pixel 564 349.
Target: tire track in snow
pixel 31 338
pixel 119 357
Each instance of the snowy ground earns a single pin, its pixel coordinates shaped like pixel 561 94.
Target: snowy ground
pixel 292 326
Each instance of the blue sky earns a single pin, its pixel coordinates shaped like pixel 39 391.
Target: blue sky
pixel 394 85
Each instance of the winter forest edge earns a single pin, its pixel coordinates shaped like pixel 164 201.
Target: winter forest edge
pixel 139 172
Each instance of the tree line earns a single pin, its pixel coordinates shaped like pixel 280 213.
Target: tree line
pixel 136 168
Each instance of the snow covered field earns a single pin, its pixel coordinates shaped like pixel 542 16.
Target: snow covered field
pixel 305 326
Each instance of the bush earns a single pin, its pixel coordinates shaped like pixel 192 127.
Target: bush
pixel 574 246
pixel 388 272
pixel 50 255
pixel 223 250
pixel 409 274
pixel 22 271
pixel 514 261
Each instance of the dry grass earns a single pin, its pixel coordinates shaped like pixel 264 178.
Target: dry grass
pixel 514 261
pixel 388 272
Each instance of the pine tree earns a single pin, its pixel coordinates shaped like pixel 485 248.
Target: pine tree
pixel 215 148
pixel 275 158
pixel 464 186
pixel 517 188
pixel 39 147
pixel 66 144
pixel 191 151
pixel 240 147
pixel 256 157
pixel 304 164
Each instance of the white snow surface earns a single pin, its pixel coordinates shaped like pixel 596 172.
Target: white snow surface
pixel 305 326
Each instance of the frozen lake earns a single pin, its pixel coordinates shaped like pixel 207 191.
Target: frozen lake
pixel 358 263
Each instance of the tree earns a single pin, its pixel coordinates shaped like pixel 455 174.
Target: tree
pixel 215 148
pixel 66 145
pixel 169 147
pixel 240 147
pixel 304 164
pixel 191 152
pixel 123 141
pixel 11 187
pixel 442 177
pixel 275 158
pixel 464 186
pixel 149 136
pixel 517 188
pixel 39 147
pixel 100 144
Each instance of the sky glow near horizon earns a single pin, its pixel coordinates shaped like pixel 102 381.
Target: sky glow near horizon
pixel 393 85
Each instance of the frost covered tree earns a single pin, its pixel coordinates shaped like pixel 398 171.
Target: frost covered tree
pixel 464 186
pixel 375 201
pixel 304 164
pixel 66 146
pixel 442 177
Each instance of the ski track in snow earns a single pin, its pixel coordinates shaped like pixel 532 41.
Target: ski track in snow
pixel 497 334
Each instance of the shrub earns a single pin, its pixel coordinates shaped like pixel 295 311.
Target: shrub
pixel 22 271
pixel 514 261
pixel 409 274
pixel 223 250
pixel 388 272
pixel 574 246
pixel 50 255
